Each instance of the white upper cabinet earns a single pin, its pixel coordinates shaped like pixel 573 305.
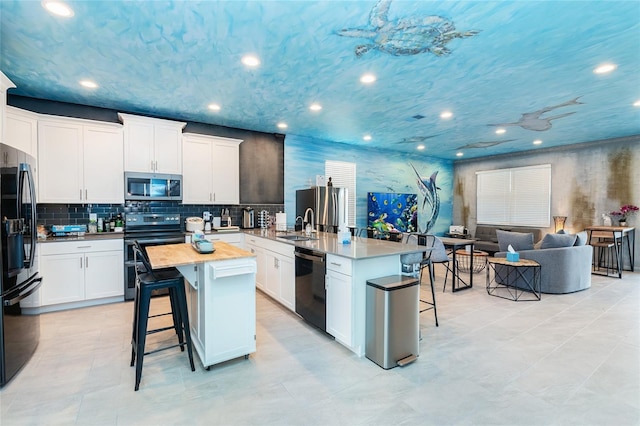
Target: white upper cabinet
pixel 21 130
pixel 5 84
pixel 152 145
pixel 210 170
pixel 80 161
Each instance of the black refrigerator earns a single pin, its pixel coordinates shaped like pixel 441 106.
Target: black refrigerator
pixel 19 332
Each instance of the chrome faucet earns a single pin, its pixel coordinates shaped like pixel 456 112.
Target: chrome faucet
pixel 301 222
pixel 306 218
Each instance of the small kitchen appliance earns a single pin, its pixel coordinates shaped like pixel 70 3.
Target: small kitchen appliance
pixel 193 224
pixel 206 216
pixel 248 218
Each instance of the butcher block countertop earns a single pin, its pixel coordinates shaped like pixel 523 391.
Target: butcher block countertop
pixel 170 255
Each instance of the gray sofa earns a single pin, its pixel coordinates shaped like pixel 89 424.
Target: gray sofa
pixel 487 240
pixel 562 270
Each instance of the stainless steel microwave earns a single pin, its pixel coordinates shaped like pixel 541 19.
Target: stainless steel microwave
pixel 152 187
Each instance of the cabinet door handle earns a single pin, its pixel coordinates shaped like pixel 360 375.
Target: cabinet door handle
pixel 81 263
pixel 151 165
pixel 336 264
pixel 83 247
pixel 81 193
pixel 86 262
pixel 86 194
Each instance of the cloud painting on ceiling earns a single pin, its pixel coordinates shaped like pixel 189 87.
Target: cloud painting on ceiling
pixel 405 36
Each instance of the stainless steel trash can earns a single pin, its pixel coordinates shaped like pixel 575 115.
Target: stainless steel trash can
pixel 392 323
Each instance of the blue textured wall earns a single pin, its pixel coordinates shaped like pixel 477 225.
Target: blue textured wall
pixel 377 171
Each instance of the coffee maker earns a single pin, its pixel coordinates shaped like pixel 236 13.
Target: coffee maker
pixel 248 218
pixel 206 216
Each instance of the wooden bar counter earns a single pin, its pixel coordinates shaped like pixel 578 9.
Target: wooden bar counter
pixel 221 297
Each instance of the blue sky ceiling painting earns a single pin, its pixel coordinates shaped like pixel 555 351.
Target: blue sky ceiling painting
pixel 476 77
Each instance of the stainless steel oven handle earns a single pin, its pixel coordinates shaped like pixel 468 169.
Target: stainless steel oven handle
pixel 309 257
pixel 172 240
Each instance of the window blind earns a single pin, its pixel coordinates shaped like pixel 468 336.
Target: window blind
pixel 517 196
pixel 343 175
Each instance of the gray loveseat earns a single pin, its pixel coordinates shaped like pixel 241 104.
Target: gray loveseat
pixel 487 240
pixel 562 269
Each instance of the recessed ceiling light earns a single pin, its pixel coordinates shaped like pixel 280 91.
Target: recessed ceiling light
pixel 604 68
pixel 250 61
pixel 282 125
pixel 446 114
pixel 636 103
pixel 214 107
pixel 459 154
pixel 367 137
pixel 537 142
pixel 420 147
pixel 315 107
pixel 501 131
pixel 367 78
pixel 88 84
pixel 58 8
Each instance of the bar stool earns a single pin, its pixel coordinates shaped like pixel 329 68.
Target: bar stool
pixel 427 261
pixel 607 254
pixel 147 281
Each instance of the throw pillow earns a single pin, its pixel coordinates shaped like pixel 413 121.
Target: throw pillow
pixel 517 240
pixel 581 238
pixel 557 241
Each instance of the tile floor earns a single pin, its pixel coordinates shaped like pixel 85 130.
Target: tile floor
pixel 565 360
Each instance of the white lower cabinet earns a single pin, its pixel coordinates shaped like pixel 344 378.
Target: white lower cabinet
pixel 261 273
pixel 276 269
pixel 81 273
pixel 221 300
pixel 339 287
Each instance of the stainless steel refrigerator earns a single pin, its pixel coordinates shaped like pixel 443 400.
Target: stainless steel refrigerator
pixel 329 205
pixel 19 333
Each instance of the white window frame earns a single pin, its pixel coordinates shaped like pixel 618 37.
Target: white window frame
pixel 516 196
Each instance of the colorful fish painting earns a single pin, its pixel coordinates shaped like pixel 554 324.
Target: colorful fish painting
pixel 392 212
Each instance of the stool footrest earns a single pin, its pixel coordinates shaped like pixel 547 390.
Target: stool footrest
pixel 181 345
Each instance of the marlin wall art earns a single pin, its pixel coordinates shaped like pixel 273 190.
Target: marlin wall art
pixel 431 203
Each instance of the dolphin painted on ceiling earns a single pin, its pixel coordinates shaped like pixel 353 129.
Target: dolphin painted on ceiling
pixel 533 121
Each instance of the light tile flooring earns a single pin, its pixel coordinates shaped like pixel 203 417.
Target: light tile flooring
pixel 566 360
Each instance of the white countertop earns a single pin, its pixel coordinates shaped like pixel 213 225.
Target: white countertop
pixel 360 248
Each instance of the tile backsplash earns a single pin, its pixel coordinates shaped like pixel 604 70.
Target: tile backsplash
pixel 78 214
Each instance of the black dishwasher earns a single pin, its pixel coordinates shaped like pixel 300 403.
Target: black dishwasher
pixel 311 293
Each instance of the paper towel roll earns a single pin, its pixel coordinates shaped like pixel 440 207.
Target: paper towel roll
pixel 281 221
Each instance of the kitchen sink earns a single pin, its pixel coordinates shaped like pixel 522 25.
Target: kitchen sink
pixel 295 237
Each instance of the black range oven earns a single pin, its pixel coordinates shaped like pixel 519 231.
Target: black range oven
pixel 149 229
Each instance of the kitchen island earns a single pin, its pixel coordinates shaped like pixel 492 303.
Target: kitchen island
pixel 221 297
pixel 348 267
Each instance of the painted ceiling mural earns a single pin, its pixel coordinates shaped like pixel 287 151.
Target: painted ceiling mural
pixel 507 72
